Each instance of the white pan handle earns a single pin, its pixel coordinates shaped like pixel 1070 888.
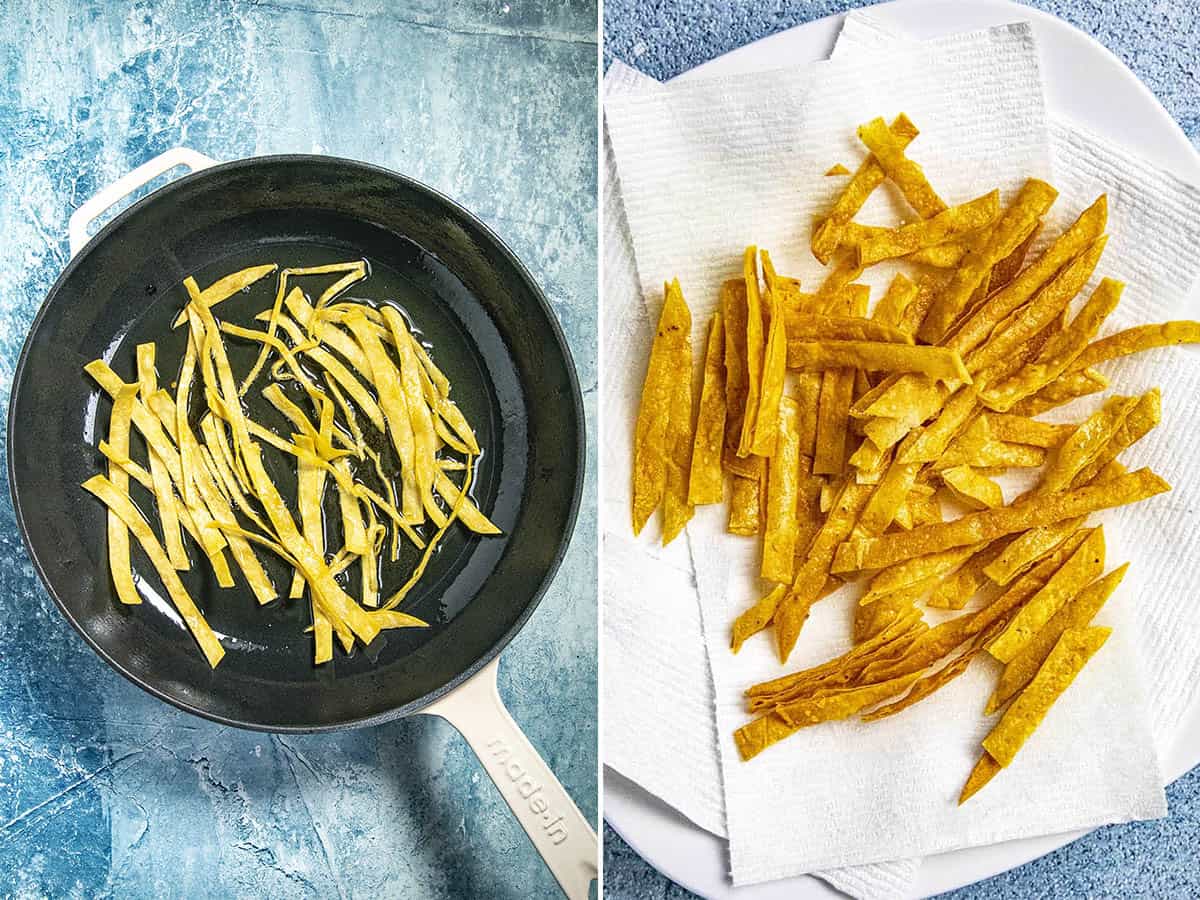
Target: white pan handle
pixel 126 185
pixel 553 822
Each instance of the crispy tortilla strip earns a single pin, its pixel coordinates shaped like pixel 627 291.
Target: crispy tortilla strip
pixel 1084 566
pixel 931 443
pixel 842 705
pixel 754 350
pixel 837 169
pixel 833 414
pixel 1045 307
pixel 224 288
pixel 837 294
pixel 928 286
pixel 745 515
pixel 1067 388
pixel 871 619
pixel 944 226
pixel 958 588
pixel 985 770
pixel 1029 546
pixel 1077 613
pixel 733 313
pixel 1031 202
pixel 678 457
pixel 1066 660
pixel 1058 352
pixel 783 495
pixel 756 618
pixel 902 171
pixel 1024 430
pixel 875 553
pixel 889 311
pixel 925 687
pixel 1086 443
pixel 1082 234
pixel 889 495
pixel 911 572
pixel 758 735
pixel 971 488
pixel 118 502
pixel 1008 268
pixel 164 494
pixel 942 256
pixel 804 326
pixel 707 481
pixel 1138 422
pixel 876 356
pixel 766 420
pixel 991 455
pixel 811 576
pixel 870 463
pixel 826 236
pixel 1135 340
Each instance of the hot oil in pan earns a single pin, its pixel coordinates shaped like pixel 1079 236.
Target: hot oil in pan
pixel 419 286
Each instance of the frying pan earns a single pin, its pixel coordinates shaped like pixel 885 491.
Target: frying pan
pixel 492 332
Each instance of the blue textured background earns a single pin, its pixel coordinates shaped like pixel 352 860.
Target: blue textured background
pixel 105 791
pixel 1160 41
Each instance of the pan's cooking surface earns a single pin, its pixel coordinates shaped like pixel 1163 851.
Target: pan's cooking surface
pixel 489 331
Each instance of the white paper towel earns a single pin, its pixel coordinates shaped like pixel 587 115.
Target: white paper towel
pixel 1112 168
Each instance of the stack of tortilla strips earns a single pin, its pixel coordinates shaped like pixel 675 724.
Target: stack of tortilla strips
pixel 842 433
pixel 211 480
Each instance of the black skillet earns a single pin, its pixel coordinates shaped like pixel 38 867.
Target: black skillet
pixel 492 332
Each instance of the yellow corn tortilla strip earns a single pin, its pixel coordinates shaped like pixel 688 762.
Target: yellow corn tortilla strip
pixel 1024 430
pixel 1082 234
pixel 869 620
pixel 876 356
pixel 833 414
pixel 733 313
pixel 654 413
pixel 1031 202
pixel 224 288
pixel 744 507
pixel 888 496
pixel 322 637
pixel 1066 660
pixel 183 386
pixel 971 488
pixel 1058 352
pixel 838 293
pixel 756 618
pixel 958 588
pixel 1078 612
pixel 1029 546
pixel 955 416
pixel 878 552
pixel 706 481
pixel 985 770
pixel 118 502
pixel 1136 340
pixel 119 563
pixel 1137 423
pixel 902 171
pixel 164 494
pixel 947 225
pixel 928 286
pixel 1004 271
pixel 811 576
pixel 1086 443
pixel 837 169
pixel 679 435
pixel 210 429
pixel 942 256
pixel 803 713
pixel 914 571
pixel 925 687
pixel 1084 566
pixel 889 311
pixel 311 480
pixel 783 493
pixel 754 350
pixel 1067 388
pixel 758 735
pixel 805 326
pixel 870 463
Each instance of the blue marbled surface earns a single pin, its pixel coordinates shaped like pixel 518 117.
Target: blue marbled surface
pixel 105 791
pixel 1160 42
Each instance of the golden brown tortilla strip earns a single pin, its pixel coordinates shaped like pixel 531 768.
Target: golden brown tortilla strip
pixel 707 480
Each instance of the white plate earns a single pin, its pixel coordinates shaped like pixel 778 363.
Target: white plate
pixel 1090 85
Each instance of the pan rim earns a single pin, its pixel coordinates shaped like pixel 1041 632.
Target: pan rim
pixel 507 254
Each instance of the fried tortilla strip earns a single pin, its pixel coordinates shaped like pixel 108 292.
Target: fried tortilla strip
pixel 756 618
pixel 878 552
pixel 905 574
pixel 1077 613
pixel 811 576
pixel 957 414
pixel 745 514
pixel 224 288
pixel 902 171
pixel 754 349
pixel 942 256
pixel 755 737
pixel 837 169
pixel 120 565
pixel 842 705
pixel 876 356
pixel 991 455
pixel 871 619
pixel 928 286
pixel 889 311
pixel 1022 215
pixel 1086 444
pixel 1067 388
pixel 925 687
pixel 783 494
pixel 947 225
pixel 833 414
pixel 1083 233
pixel 803 326
pixel 1084 566
pixel 677 511
pixel 766 420
pixel 985 770
pixel 733 314
pixel 707 481
pixel 870 462
pixel 654 414
pixel 1029 546
pixel 971 488
pixel 310 488
pixel 1066 660
pixel 836 292
pixel 1024 430
pixel 1058 352
pixel 958 588
pixel 826 236
pixel 118 502
pixel 1138 422
pixel 1008 268
pixel 164 494
pixel 1135 340
pixel 889 495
